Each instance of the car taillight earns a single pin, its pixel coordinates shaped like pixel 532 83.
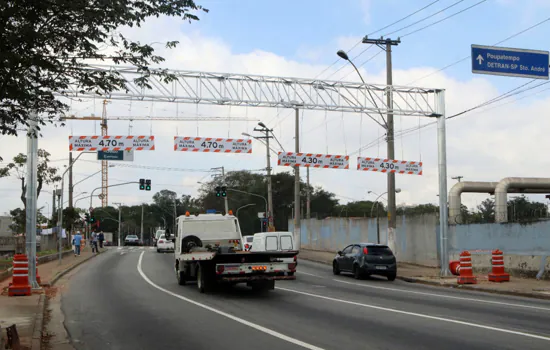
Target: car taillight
pixel 295 258
pixel 365 250
pixel 161 241
pixel 220 269
pixel 292 266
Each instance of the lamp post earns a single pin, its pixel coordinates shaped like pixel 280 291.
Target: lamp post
pixel 242 207
pixel 397 190
pixel 60 218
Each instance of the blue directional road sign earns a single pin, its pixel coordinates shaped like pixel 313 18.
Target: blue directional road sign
pixel 511 62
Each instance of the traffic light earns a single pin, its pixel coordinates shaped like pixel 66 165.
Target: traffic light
pixel 147 185
pixel 218 191
pixel 92 219
pixel 264 225
pixel 87 218
pixel 224 194
pixel 141 184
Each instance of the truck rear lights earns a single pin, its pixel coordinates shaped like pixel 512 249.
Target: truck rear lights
pixel 220 269
pixel 292 266
pixel 259 268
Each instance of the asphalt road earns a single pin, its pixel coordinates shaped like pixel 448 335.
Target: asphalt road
pixel 129 299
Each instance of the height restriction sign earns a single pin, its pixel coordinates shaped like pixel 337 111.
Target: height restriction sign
pixel 325 161
pixel 389 165
pixel 111 143
pixel 211 144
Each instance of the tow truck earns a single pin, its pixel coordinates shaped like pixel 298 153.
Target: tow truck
pixel 208 249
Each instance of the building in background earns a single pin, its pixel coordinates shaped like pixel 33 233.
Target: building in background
pixel 5 222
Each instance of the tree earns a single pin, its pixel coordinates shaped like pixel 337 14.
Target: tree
pixel 45 48
pixel 323 202
pixel 487 210
pixel 45 173
pixel 19 220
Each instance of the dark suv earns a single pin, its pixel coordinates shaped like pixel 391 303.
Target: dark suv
pixel 365 259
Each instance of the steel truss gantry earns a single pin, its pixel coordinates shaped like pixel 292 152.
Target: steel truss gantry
pixel 247 90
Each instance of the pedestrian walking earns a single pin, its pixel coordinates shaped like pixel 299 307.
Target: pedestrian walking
pixel 76 242
pixel 101 238
pixel 93 242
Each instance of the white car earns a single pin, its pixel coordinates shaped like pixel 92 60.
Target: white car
pixel 275 241
pixel 164 244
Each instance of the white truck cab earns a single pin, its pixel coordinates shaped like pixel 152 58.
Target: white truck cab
pixel 209 248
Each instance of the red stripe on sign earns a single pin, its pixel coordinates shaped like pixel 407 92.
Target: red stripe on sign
pixel 250 141
pixel 93 149
pixel 358 166
pixel 240 140
pixel 386 160
pixel 208 139
pixel 186 138
pixel 118 137
pixel 228 140
pixel 83 137
pixel 128 149
pixel 70 147
pixel 334 167
pixel 139 149
pixel 70 137
pixel 392 171
pixel 420 173
pixel 175 147
pixel 412 163
pixel 395 161
pixel 238 151
pixel 151 137
pixel 105 149
pixel 287 164
pixel 374 169
pixel 337 157
pixel 141 137
pixel 129 137
pixel 368 158
pixel 249 151
pixel 377 159
pixel 197 138
pixel 116 149
pixel 216 151
pixel 81 149
pixel 279 162
pixel 347 157
pixel 185 149
pixel 403 162
pixel 106 137
pixel 409 172
pixel 152 148
pixel 420 163
pixel 346 167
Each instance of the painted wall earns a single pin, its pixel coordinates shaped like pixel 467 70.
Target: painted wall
pixel 526 247
pixel 416 236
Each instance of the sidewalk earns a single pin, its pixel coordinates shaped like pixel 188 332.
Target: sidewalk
pixel 528 287
pixel 27 311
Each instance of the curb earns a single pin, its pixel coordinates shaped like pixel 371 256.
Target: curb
pixel 41 260
pixel 36 341
pixel 38 326
pixel 465 287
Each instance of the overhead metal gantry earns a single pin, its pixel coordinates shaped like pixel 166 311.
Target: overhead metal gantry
pixel 246 90
pixel 229 89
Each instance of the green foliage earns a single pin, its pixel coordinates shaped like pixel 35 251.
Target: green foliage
pixel 46 174
pixel 19 220
pixel 45 47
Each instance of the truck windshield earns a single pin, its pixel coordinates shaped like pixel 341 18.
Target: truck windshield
pixel 211 229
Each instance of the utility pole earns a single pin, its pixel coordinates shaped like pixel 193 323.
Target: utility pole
pixel 31 196
pixel 141 235
pixel 70 180
pixel 308 197
pixel 297 223
pixel 119 223
pixel 386 44
pixel 175 216
pixel 270 212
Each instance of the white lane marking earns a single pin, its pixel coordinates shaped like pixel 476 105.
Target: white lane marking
pixel 221 313
pixel 470 324
pixel 447 296
pixel 119 248
pixel 310 274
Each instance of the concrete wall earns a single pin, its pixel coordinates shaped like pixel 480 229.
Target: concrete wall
pixel 526 247
pixel 5 222
pixel 416 236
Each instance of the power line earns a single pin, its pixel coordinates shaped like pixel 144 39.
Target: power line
pixel 423 19
pixel 376 31
pixel 467 57
pixel 444 19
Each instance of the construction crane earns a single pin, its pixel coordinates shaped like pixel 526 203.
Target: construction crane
pixel 104 165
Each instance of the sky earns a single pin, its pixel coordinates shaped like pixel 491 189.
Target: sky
pixel 300 39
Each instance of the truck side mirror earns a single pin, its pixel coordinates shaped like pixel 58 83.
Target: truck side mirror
pixel 339 252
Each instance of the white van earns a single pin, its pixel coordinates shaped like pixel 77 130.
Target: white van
pixel 274 241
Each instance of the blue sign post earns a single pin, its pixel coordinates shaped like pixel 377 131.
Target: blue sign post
pixel 510 62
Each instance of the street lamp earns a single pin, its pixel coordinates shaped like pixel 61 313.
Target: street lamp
pixel 388 126
pixel 242 207
pixel 397 190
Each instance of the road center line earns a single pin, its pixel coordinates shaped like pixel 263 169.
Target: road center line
pixel 221 313
pixel 446 296
pixel 436 318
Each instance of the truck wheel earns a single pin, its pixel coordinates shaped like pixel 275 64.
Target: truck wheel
pixel 204 280
pixel 180 275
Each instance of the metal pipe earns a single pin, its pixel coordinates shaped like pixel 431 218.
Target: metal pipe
pixel 297 202
pixel 31 197
pixel 442 166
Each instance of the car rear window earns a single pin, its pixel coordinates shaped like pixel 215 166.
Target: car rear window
pixel 286 242
pixel 249 239
pixel 377 250
pixel 271 243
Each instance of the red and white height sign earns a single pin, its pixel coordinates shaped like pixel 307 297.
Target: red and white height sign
pixel 325 161
pixel 211 144
pixel 111 143
pixel 389 166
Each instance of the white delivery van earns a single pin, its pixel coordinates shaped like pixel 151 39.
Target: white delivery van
pixel 274 241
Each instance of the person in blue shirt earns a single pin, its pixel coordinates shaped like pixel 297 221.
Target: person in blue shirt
pixel 76 241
